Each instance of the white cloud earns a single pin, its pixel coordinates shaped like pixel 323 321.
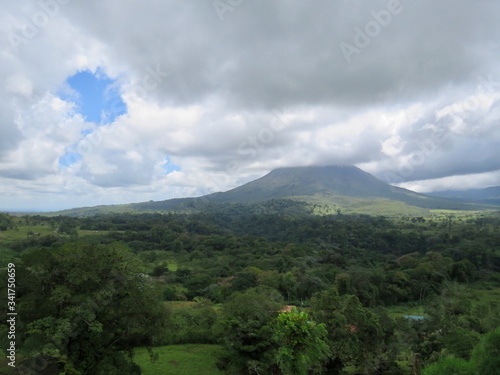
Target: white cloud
pixel 206 93
pixel 19 84
pixel 464 182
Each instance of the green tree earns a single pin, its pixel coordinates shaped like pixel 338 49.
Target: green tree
pixel 190 324
pixel 160 270
pixel 451 366
pixel 486 355
pixel 463 271
pixel 245 279
pixel 5 222
pixel 354 332
pixel 301 344
pixel 288 285
pixel 86 306
pixel 246 329
pixel 484 317
pixel 460 342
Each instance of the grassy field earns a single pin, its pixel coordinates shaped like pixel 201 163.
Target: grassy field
pixel 153 258
pixel 24 231
pixel 192 359
pixel 350 205
pixel 172 265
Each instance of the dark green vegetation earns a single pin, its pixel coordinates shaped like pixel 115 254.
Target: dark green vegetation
pixel 485 359
pixel 93 291
pixel 322 190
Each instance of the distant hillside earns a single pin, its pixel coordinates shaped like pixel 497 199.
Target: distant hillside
pixel 490 195
pixel 177 204
pixel 324 188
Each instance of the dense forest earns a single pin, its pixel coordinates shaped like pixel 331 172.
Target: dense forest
pixel 274 290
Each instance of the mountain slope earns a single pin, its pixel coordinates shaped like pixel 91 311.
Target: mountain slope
pixel 300 181
pixel 332 181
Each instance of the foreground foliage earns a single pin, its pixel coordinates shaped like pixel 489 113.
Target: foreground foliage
pixel 485 360
pixel 301 344
pixel 84 308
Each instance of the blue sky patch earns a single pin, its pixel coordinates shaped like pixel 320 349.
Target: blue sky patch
pixel 169 167
pixel 69 158
pixel 96 95
pixel 85 131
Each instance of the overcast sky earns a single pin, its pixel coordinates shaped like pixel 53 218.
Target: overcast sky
pixel 112 101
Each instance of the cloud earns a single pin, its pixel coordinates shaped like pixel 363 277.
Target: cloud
pixel 456 182
pixel 229 97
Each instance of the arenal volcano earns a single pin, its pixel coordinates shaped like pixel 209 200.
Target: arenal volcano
pixel 332 180
pixel 345 187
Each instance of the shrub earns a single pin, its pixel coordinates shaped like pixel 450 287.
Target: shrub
pixel 451 366
pixel 486 355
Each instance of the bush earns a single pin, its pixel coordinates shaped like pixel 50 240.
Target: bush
pixel 451 366
pixel 190 325
pixel 160 270
pixel 169 293
pixel 460 342
pixel 486 355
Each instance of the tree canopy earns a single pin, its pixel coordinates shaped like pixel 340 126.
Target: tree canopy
pixel 83 307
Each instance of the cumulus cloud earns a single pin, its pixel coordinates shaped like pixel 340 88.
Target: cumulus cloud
pixel 227 95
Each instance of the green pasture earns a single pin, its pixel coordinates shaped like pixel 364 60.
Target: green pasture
pixel 190 359
pixel 22 232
